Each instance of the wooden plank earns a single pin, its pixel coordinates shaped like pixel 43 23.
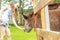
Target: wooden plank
pixel 43 20
pixel 47 35
pixel 41 4
pixel 34 3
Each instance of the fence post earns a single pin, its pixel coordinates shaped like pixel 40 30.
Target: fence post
pixel 45 18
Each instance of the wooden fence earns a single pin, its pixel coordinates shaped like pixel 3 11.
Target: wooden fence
pixel 47 35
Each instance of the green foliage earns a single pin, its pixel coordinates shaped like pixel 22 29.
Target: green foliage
pixel 22 5
pixel 57 0
pixel 27 11
pixel 8 0
pixel 0 3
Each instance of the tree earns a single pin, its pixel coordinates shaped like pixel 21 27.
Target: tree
pixel 0 4
pixel 20 11
pixel 8 0
pixel 22 5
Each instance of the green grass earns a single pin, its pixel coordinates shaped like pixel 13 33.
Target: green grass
pixel 57 0
pixel 21 35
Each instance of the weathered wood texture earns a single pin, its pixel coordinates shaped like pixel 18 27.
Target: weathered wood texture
pixel 47 35
pixel 41 5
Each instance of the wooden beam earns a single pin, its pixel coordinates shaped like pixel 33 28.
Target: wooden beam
pixel 44 15
pixel 43 20
pixel 41 5
pixel 34 3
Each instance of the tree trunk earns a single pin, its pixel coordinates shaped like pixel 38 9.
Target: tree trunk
pixel 20 12
pixel 0 4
